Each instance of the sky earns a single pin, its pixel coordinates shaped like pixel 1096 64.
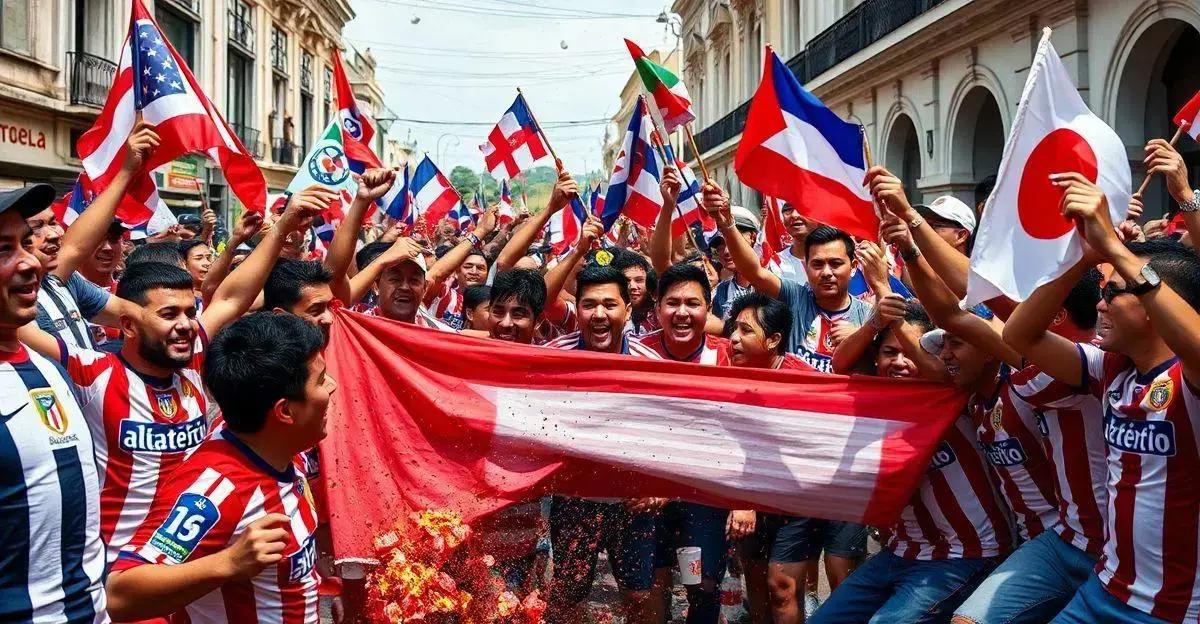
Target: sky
pixel 464 60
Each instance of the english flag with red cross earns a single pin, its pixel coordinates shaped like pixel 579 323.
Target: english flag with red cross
pixel 515 144
pixel 153 80
pixel 475 425
pixel 1023 240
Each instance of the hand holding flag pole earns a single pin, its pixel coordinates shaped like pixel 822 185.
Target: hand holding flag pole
pixel 1149 175
pixel 657 142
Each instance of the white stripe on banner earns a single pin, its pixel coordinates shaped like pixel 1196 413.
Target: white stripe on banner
pixel 803 144
pixel 776 457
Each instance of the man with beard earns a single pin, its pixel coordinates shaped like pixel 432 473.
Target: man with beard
pixel 146 406
pixel 580 527
pixel 53 557
pixel 66 301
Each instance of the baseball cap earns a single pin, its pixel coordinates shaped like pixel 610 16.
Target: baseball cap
pixel 27 200
pixel 744 218
pixel 948 208
pixel 933 340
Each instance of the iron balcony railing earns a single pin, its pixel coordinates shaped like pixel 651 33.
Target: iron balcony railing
pixel 863 25
pixel 89 78
pixel 284 152
pixel 249 137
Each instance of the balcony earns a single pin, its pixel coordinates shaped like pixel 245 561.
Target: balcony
pixel 284 152
pixel 89 79
pixel 863 25
pixel 249 137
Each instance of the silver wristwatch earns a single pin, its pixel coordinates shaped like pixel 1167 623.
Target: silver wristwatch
pixel 1191 206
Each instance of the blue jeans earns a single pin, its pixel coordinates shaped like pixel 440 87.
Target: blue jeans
pixel 1092 604
pixel 888 590
pixel 1032 585
pixel 693 524
pixel 580 528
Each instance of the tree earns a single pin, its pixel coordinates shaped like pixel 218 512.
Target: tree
pixel 465 181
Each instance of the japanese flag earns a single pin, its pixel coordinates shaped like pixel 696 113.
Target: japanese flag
pixel 1023 240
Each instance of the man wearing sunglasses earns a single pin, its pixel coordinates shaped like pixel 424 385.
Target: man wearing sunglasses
pixel 1144 370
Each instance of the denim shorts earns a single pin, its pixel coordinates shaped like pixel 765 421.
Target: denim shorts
pixel 580 528
pixel 693 524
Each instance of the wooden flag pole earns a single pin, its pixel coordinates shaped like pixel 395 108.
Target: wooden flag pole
pixel 1174 140
pixel 862 131
pixel 546 139
pixel 687 129
pixel 657 140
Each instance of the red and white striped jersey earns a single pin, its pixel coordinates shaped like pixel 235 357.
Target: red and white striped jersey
pixel 558 319
pixel 206 506
pixel 422 319
pixel 714 351
pixel 631 346
pixel 791 361
pixel 141 427
pixel 955 512
pixel 1151 560
pixel 1008 434
pixel 446 303
pixel 1071 423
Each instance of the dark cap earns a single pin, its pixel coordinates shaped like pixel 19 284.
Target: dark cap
pixel 27 200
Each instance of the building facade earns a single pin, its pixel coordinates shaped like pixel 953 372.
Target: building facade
pixel 936 83
pixel 266 65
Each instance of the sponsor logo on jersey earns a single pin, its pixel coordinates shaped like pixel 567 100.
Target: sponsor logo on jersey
pixel 944 456
pixel 1007 452
pixel 48 407
pixel 1159 395
pixel 193 516
pixel 302 562
pixel 153 437
pixel 1144 437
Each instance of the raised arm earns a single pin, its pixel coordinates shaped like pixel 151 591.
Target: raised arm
pixel 237 292
pixel 1162 157
pixel 402 249
pixel 564 189
pixel 887 310
pixel 1175 320
pixel 85 234
pixel 716 202
pixel 449 263
pixel 556 278
pixel 249 225
pixel 372 185
pixel 660 241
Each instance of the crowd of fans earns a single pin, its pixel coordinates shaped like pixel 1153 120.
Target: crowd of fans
pixel 162 403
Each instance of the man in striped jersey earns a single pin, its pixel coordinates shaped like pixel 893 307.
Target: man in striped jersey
pixel 951 534
pixel 1144 374
pixel 66 301
pixel 230 537
pixel 146 406
pixel 463 266
pixel 51 554
pixel 580 527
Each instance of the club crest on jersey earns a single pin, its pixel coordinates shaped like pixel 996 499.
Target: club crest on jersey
pixel 49 409
pixel 1159 395
pixel 168 404
pixel 193 516
pixel 1144 437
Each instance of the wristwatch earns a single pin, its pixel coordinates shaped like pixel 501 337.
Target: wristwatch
pixel 1191 206
pixel 1150 281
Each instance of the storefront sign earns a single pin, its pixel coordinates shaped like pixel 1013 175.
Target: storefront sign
pixel 12 133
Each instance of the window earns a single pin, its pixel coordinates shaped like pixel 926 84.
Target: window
pixel 279 50
pixel 306 77
pixel 180 29
pixel 278 106
pixel 306 120
pixel 241 25
pixel 328 93
pixel 240 89
pixel 14 26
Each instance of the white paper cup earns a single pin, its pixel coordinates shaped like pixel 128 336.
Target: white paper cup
pixel 690 566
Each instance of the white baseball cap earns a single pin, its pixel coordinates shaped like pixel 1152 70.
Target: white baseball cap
pixel 744 218
pixel 933 341
pixel 951 209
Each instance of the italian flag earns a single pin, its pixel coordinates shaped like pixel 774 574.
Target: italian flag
pixel 670 96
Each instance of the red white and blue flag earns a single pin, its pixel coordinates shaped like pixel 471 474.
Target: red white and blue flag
pixel 633 188
pixel 1188 117
pixel 507 213
pixel 433 196
pixel 398 201
pixel 688 209
pixel 152 79
pixel 70 206
pixel 775 237
pixel 796 149
pixel 566 226
pixel 515 144
pixel 469 429
pixel 358 129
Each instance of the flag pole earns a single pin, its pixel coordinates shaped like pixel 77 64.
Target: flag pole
pixel 862 131
pixel 687 129
pixel 1174 140
pixel 656 140
pixel 557 162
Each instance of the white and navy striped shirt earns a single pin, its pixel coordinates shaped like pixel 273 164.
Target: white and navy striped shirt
pixel 51 554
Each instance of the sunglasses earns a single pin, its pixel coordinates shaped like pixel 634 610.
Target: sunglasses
pixel 1112 291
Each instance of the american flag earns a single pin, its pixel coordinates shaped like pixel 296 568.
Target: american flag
pixel 154 81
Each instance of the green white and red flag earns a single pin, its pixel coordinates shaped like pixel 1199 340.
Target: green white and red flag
pixel 670 96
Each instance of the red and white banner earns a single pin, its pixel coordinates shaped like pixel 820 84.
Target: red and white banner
pixel 426 419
